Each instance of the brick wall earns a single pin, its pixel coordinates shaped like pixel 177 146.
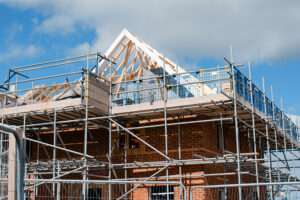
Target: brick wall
pixel 196 139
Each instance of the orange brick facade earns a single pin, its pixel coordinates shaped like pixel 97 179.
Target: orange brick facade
pixel 195 139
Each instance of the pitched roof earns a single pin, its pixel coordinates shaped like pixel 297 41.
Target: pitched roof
pixel 133 56
pixel 127 40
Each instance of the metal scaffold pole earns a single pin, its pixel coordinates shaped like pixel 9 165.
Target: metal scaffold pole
pixel 287 189
pixel 24 149
pixel 267 139
pixel 223 152
pixel 179 153
pixel 125 161
pixel 58 184
pixel 85 142
pixel 275 133
pixel 110 132
pixel 283 125
pixel 54 151
pixel 292 143
pixel 253 131
pixel 236 127
pixel 165 97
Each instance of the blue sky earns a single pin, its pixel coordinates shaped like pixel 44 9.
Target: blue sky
pixel 195 34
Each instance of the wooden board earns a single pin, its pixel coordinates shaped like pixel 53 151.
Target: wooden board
pixel 40 106
pixel 170 104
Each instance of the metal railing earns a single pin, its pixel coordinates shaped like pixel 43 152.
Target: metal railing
pixel 150 89
pixel 230 191
pixel 46 81
pixel 279 118
pixel 104 190
pixel 181 85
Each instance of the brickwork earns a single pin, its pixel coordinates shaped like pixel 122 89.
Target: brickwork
pixel 141 193
pixel 196 139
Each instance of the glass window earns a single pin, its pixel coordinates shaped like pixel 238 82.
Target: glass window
pixel 160 192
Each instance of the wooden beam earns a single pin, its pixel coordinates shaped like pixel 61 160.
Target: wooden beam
pixel 127 55
pixel 29 93
pixel 119 67
pixel 131 67
pixel 124 72
pixel 8 97
pixel 118 54
pixel 56 90
pixel 39 97
pixel 114 58
pixel 121 51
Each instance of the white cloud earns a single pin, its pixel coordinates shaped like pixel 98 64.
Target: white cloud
pixel 57 24
pixel 258 30
pixel 97 45
pixel 294 107
pixel 12 31
pixel 34 20
pixel 80 49
pixel 295 119
pixel 20 51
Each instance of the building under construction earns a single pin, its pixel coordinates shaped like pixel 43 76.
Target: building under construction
pixel 132 124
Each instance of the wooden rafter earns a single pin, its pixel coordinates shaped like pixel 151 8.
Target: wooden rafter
pixel 57 90
pixel 121 64
pixel 40 96
pixel 131 67
pixel 149 57
pixel 32 93
pixel 124 73
pixel 115 58
pixel 144 52
pixel 142 48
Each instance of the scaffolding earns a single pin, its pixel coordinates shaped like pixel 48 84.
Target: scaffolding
pixel 87 130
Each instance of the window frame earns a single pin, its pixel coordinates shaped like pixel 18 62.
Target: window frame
pixel 220 144
pixel 128 139
pixel 99 197
pixel 163 194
